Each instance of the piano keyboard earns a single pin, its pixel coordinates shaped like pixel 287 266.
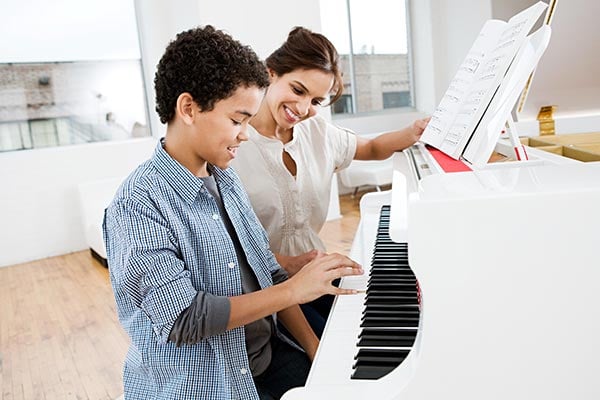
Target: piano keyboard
pixel 391 309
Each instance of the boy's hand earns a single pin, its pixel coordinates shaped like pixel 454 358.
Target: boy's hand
pixel 314 279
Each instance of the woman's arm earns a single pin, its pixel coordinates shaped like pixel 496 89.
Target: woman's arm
pixel 293 264
pixel 295 322
pixel 384 145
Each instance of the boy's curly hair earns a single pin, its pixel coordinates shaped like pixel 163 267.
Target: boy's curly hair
pixel 209 65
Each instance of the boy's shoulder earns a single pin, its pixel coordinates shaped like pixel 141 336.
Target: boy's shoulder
pixel 138 183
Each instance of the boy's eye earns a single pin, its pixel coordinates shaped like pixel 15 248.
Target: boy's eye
pixel 236 122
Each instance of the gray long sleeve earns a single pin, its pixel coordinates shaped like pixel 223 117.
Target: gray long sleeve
pixel 279 276
pixel 208 315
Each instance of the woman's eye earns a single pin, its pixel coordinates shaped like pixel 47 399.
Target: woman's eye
pixel 316 102
pixel 236 122
pixel 297 90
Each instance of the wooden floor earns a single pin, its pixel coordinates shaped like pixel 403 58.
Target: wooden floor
pixel 59 333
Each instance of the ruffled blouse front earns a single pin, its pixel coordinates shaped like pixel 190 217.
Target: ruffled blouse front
pixel 293 209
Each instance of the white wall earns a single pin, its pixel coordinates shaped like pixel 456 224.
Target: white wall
pixel 39 210
pixel 456 24
pixel 264 24
pixel 567 75
pixel 39 206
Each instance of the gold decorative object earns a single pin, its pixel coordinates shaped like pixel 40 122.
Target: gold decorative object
pixel 550 12
pixel 546 118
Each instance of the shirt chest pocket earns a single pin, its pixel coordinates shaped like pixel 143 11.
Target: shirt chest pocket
pixel 220 269
pixel 210 254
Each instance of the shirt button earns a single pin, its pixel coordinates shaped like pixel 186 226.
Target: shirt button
pixel 244 371
pixel 215 217
pixel 231 265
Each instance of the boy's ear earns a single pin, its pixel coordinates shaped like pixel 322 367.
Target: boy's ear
pixel 185 108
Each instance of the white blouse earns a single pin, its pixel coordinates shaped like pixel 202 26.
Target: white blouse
pixel 293 210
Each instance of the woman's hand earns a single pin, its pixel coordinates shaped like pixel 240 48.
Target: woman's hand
pixel 293 264
pixel 416 129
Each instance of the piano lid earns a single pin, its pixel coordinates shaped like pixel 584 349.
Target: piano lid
pixel 511 181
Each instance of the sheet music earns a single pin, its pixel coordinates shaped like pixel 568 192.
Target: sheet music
pixel 445 113
pixel 486 135
pixel 477 80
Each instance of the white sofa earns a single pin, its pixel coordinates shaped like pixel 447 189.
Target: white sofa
pixel 367 173
pixel 94 197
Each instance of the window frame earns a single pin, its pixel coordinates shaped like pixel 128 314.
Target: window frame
pixel 383 113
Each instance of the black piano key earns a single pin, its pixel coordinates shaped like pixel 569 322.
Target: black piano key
pixel 383 278
pixel 407 273
pixel 389 253
pixel 394 300
pixel 407 281
pixel 386 307
pixel 390 293
pixel 391 286
pixel 385 267
pixel 389 256
pixel 371 372
pixel 379 354
pixel 375 293
pixel 369 314
pixel 407 310
pixel 390 296
pixel 390 322
pixel 410 314
pixel 386 337
pixel 384 286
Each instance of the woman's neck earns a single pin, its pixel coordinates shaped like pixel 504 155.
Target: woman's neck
pixel 265 124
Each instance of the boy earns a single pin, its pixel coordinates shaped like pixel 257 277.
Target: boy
pixel 190 264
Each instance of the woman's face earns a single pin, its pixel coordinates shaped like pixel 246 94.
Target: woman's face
pixel 295 96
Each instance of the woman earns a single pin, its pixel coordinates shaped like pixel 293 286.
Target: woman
pixel 292 154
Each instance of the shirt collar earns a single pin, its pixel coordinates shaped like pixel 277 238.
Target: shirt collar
pixel 225 178
pixel 272 142
pixel 182 180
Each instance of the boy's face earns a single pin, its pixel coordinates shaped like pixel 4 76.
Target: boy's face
pixel 219 132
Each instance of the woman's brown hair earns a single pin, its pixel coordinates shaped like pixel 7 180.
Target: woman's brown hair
pixel 305 49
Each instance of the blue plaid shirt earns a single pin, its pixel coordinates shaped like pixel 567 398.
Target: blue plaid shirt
pixel 165 241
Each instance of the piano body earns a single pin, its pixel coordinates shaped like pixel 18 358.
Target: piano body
pixel 508 272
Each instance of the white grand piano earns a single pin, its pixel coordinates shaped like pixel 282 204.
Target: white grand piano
pixel 481 283
pixel 508 268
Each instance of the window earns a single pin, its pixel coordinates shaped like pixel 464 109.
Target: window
pixel 343 105
pixel 70 74
pixel 372 39
pixel 396 99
